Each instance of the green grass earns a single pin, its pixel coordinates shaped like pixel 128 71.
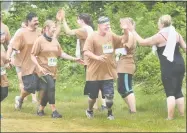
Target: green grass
pixel 70 101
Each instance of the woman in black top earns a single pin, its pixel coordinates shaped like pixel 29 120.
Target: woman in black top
pixel 167 42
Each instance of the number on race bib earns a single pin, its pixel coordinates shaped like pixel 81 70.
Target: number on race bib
pixel 52 61
pixel 107 48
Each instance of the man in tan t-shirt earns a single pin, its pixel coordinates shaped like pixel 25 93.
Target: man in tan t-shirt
pixel 23 42
pixel 101 67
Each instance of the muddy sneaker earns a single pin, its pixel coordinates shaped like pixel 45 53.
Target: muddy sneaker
pixel 18 102
pixel 55 114
pixel 40 113
pixel 110 115
pixel 89 114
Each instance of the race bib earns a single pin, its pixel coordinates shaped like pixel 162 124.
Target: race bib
pixel 3 70
pixel 121 51
pixel 107 48
pixel 52 61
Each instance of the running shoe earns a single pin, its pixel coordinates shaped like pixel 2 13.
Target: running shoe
pixel 110 115
pixel 55 114
pixel 18 102
pixel 40 113
pixel 89 114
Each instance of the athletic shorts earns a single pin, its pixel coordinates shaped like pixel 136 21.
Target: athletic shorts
pixel 31 83
pixel 47 83
pixel 124 84
pixel 92 88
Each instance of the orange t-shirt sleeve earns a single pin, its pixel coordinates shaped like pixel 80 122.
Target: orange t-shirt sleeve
pixel 17 42
pixel 80 33
pixel 36 48
pixel 88 46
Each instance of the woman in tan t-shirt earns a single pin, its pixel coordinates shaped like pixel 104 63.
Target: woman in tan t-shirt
pixel 44 54
pixel 126 66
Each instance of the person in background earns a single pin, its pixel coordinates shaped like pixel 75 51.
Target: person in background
pixel 44 54
pixel 5 28
pixel 126 66
pixel 4 65
pixel 16 61
pixel 86 27
pixel 167 43
pixel 101 66
pixel 23 42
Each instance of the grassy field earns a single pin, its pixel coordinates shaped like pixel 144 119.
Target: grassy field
pixel 150 116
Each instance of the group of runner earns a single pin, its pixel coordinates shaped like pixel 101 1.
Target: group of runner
pixel 35 52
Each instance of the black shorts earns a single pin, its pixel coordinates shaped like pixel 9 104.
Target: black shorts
pixel 47 83
pixel 124 84
pixel 31 83
pixel 173 86
pixel 92 88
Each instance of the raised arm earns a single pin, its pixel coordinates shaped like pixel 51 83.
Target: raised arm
pixel 150 41
pixel 67 29
pixel 59 17
pixel 65 25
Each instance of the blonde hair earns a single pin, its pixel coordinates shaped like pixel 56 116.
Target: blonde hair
pixel 128 19
pixel 47 23
pixel 165 20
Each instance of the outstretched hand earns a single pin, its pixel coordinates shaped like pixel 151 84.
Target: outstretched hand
pixel 80 61
pixel 60 15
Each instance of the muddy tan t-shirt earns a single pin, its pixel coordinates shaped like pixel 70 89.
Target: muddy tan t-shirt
pixel 24 41
pixel 47 54
pixel 4 79
pixel 126 63
pixel 17 58
pixel 102 45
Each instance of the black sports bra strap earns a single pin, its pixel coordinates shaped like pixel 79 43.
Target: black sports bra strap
pixel 163 36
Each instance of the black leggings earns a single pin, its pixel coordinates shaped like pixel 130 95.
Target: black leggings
pixel 47 85
pixel 4 93
pixel 173 86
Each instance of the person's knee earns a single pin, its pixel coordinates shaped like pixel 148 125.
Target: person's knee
pixel 109 100
pixel 124 95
